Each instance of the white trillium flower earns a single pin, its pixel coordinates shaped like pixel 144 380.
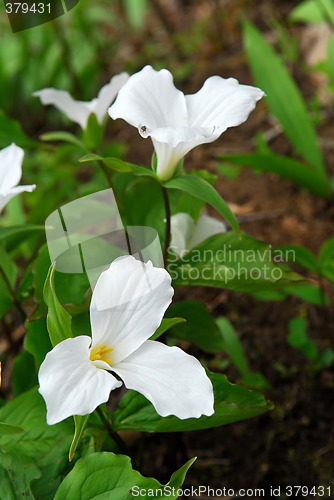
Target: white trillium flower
pixel 186 234
pixel 177 122
pixel 128 304
pixel 79 111
pixel 11 159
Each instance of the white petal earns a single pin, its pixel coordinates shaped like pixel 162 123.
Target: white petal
pixel 70 384
pixel 77 111
pixel 149 98
pixel 128 304
pixel 174 382
pixel 107 94
pixel 10 167
pixel 182 228
pixel 4 198
pixel 205 227
pixel 221 103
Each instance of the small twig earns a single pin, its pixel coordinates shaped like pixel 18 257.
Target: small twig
pixel 260 215
pixel 168 216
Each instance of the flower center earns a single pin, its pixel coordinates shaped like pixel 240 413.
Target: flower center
pixel 100 353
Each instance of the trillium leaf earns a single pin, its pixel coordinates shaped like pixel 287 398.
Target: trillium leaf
pixel 80 425
pixel 225 261
pixel 93 133
pixel 291 169
pixel 45 446
pixel 37 340
pixel 16 476
pixel 166 324
pixel 201 189
pixel 120 165
pixel 58 319
pixel 232 403
pixel 9 429
pixel 14 235
pixel 105 475
pixel 284 98
pixel 10 131
pixel 63 137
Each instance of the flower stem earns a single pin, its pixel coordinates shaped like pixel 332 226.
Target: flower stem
pixel 116 437
pixel 168 215
pixel 12 294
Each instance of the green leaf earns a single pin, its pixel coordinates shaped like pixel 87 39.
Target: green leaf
pixel 326 259
pixel 291 169
pixel 165 325
pixel 308 293
pixel 300 255
pixel 8 274
pixel 16 476
pixel 283 97
pixel 313 11
pixel 80 425
pixel 46 446
pixel 136 12
pixel 120 165
pixel 232 403
pixel 63 137
pixel 24 374
pixel 93 133
pixel 235 351
pixel 58 319
pixel 199 328
pixel 14 235
pixel 37 340
pixel 105 476
pixel 204 191
pixel 10 131
pixel 9 429
pixel 298 338
pixel 225 261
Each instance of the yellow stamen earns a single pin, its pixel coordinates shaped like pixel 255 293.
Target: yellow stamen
pixel 98 353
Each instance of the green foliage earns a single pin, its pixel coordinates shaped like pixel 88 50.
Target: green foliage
pixel 232 403
pixel 58 319
pixel 313 11
pixel 287 104
pixel 90 478
pixel 201 189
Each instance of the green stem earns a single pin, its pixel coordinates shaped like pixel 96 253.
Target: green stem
pixel 107 425
pixel 12 293
pixel 168 216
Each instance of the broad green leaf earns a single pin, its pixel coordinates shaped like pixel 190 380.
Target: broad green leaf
pixel 326 259
pixel 37 340
pixel 10 131
pixel 300 255
pixel 58 319
pixel 120 165
pixel 45 446
pixel 232 403
pixel 308 293
pixel 9 429
pixel 93 133
pixel 165 325
pixel 204 191
pixel 313 11
pixel 234 349
pixel 199 328
pixel 225 261
pixel 283 97
pixel 16 476
pixel 8 274
pixel 24 374
pixel 80 423
pixel 233 345
pixel 105 476
pixel 14 235
pixel 63 137
pixel 291 169
pixel 186 203
pixel 298 338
